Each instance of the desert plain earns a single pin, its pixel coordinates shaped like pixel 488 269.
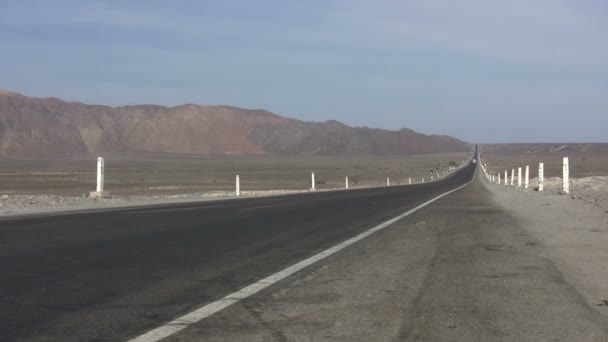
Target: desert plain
pixel 39 185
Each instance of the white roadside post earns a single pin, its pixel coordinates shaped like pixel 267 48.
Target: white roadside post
pixel 238 185
pixel 519 177
pixel 506 178
pixel 388 181
pixel 346 182
pixel 422 179
pixel 492 178
pixel 541 176
pixel 100 180
pixel 410 180
pixel 312 180
pixel 499 182
pixel 100 174
pixel 566 186
pixel 527 178
pixel 512 176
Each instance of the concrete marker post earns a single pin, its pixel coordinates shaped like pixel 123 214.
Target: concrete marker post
pixel 238 185
pixel 506 178
pixel 346 182
pixel 100 174
pixel 100 193
pixel 388 181
pixel 527 178
pixel 541 176
pixel 519 177
pixel 312 180
pixel 512 177
pixel 410 180
pixel 566 172
pixel 499 181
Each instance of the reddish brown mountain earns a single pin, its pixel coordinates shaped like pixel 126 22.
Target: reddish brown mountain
pixel 32 127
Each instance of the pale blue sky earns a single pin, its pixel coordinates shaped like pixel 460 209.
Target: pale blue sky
pixel 482 71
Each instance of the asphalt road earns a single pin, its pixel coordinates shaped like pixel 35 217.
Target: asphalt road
pixel 112 275
pixel 461 269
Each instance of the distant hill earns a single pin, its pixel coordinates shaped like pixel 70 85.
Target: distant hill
pixel 33 127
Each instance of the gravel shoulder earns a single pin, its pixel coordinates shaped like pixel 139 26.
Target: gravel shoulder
pixel 571 228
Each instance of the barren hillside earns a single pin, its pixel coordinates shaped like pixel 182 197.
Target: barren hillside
pixel 33 127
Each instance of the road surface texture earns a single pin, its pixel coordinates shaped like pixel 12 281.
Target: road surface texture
pixel 112 275
pixel 460 269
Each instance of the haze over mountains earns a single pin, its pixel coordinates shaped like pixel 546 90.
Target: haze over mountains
pixel 51 127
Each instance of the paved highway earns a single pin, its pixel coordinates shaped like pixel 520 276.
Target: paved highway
pixel 113 275
pixel 461 269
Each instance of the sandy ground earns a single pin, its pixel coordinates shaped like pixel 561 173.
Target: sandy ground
pixel 589 190
pixel 572 229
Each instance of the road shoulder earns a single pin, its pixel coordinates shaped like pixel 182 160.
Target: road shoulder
pixel 573 233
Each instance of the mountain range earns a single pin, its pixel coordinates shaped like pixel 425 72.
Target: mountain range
pixel 51 127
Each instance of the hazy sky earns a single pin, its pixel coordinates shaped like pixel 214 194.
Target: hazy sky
pixel 483 71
